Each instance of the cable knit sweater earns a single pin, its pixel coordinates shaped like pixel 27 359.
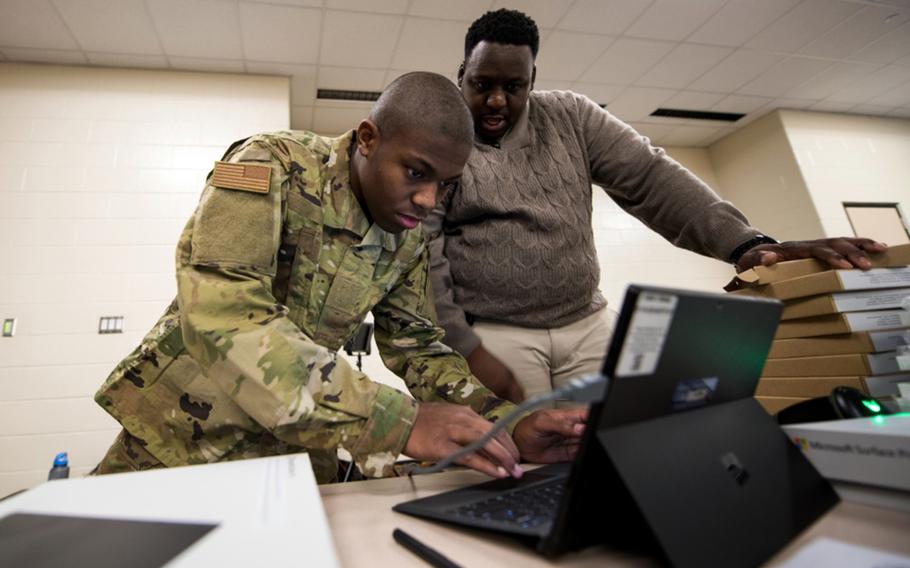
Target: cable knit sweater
pixel 515 243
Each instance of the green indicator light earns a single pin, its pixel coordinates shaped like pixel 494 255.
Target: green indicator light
pixel 7 326
pixel 872 405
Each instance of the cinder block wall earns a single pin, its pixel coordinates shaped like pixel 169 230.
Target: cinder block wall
pixel 99 170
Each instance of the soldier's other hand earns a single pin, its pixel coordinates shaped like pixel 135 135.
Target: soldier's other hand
pixel 442 428
pixel 494 375
pixel 551 435
pixel 841 252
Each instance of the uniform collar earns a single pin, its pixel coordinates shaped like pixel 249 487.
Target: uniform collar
pixel 341 210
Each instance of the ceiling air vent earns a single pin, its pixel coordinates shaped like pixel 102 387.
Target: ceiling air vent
pixel 698 114
pixel 340 95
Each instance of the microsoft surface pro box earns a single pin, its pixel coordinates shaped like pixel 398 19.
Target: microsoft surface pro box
pixel 678 459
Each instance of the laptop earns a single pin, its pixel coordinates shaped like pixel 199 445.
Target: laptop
pixel 678 460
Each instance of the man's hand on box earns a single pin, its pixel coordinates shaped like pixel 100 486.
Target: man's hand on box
pixel 841 252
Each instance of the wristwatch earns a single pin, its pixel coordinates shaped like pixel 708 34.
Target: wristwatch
pixel 742 249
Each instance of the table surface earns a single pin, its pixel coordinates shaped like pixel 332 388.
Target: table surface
pixel 361 519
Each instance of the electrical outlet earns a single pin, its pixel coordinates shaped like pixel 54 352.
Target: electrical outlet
pixel 110 324
pixel 9 327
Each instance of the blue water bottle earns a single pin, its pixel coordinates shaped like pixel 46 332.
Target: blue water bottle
pixel 61 468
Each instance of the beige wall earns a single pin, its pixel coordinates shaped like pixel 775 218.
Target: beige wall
pixel 99 170
pixel 846 158
pixel 758 172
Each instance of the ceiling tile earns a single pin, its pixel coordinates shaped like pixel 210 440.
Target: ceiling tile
pixel 740 103
pixel 114 26
pixel 203 64
pixel 866 26
pixel 430 45
pixel 298 3
pixel 784 76
pixel 284 34
pixel 872 110
pixel 45 56
pixel 873 85
pixel 301 117
pixel 350 78
pixel 888 49
pixel 831 106
pixel 736 70
pixel 303 79
pixel 127 60
pixel 687 135
pixel 544 12
pixel 739 20
pixel 693 100
pixel 545 85
pixel 898 96
pixel 803 24
pixel 463 10
pixel 566 55
pixel 832 80
pixel 721 133
pixel 359 40
pixel 383 7
pixel 599 93
pixel 603 16
pixel 626 60
pixel 393 74
pixel 636 103
pixel 790 103
pixel 900 112
pixel 34 24
pixel 673 20
pixel 683 65
pixel 333 120
pixel 203 28
pixel 905 61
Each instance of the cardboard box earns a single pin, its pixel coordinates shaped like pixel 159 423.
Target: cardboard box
pixel 760 275
pixel 864 364
pixel 774 404
pixel 810 387
pixel 832 281
pixel 840 302
pixel 805 387
pixel 871 451
pixel 833 324
pixel 860 342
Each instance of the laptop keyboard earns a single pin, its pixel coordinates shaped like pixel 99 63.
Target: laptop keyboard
pixel 526 507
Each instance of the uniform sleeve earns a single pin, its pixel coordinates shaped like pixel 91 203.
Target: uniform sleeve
pixel 656 189
pixel 409 343
pixel 451 317
pixel 245 342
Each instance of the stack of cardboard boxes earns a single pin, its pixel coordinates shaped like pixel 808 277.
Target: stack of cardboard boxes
pixel 838 327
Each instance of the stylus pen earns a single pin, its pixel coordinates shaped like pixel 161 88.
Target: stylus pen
pixel 433 557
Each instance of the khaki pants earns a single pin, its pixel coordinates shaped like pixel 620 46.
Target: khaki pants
pixel 544 359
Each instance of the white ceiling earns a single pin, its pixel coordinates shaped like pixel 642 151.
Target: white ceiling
pixel 748 56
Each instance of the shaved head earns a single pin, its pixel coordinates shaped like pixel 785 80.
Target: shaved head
pixel 426 102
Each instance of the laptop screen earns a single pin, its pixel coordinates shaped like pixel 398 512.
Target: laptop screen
pixel 676 350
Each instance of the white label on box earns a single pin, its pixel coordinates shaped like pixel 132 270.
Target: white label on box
pixel 646 335
pixel 875 278
pixel 883 363
pixel 889 340
pixel 870 300
pixel 866 321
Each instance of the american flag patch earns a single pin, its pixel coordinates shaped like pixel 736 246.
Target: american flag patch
pixel 245 177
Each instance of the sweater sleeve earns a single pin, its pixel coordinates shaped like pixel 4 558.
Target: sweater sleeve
pixel 655 188
pixel 451 317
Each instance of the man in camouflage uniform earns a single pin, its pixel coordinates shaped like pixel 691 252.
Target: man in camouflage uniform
pixel 295 239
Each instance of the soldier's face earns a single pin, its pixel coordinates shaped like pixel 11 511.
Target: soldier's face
pixel 402 178
pixel 496 81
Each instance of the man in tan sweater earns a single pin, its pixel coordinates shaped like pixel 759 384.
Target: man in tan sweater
pixel 514 268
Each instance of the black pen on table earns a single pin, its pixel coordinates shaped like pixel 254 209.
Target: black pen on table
pixel 433 557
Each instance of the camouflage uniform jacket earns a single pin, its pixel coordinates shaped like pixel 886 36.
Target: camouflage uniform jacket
pixel 229 372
